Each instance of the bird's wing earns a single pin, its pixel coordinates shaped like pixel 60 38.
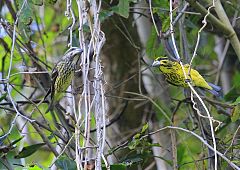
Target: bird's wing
pixel 198 80
pixel 54 74
pixel 172 83
pixel 53 77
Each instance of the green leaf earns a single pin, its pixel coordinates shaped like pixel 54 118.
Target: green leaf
pixel 25 18
pixel 34 167
pixel 31 167
pixel 144 128
pixel 16 141
pixel 233 94
pixel 51 136
pixel 25 31
pixel 64 163
pixel 235 113
pixel 37 2
pixel 166 24
pixel 29 150
pixel 118 167
pixel 236 80
pixel 133 144
pixel 161 3
pixel 26 12
pixel 237 101
pixel 181 153
pixel 137 136
pixel 122 8
pixel 153 49
pixel 50 2
pixel 3 97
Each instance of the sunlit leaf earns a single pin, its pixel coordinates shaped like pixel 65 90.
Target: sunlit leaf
pixel 133 144
pixel 233 94
pixel 25 12
pixel 29 150
pixel 17 140
pixel 235 113
pixel 236 80
pixel 144 128
pixel 122 8
pixel 38 2
pixel 136 136
pixel 34 167
pixel 51 2
pixel 31 167
pixel 25 18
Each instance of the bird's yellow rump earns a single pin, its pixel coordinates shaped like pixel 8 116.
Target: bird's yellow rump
pixel 173 72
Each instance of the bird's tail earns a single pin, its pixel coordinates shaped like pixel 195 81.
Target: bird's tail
pixel 215 89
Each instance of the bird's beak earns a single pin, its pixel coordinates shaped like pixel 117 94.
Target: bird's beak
pixel 156 63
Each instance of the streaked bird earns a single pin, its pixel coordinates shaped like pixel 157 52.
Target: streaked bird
pixel 62 75
pixel 173 73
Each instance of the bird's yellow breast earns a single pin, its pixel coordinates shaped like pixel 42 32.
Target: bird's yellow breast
pixel 174 74
pixel 63 82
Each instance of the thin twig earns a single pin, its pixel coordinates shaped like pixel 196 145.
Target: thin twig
pixel 150 7
pixel 232 140
pixel 233 165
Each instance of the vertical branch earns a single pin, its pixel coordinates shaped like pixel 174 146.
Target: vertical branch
pixel 89 14
pixel 83 98
pixel 98 84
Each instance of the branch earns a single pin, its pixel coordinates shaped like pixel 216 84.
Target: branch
pixel 223 24
pixel 198 137
pixel 116 118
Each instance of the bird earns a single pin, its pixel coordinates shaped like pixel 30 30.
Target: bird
pixel 62 75
pixel 174 75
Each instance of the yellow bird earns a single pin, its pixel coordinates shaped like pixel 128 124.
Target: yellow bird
pixel 173 73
